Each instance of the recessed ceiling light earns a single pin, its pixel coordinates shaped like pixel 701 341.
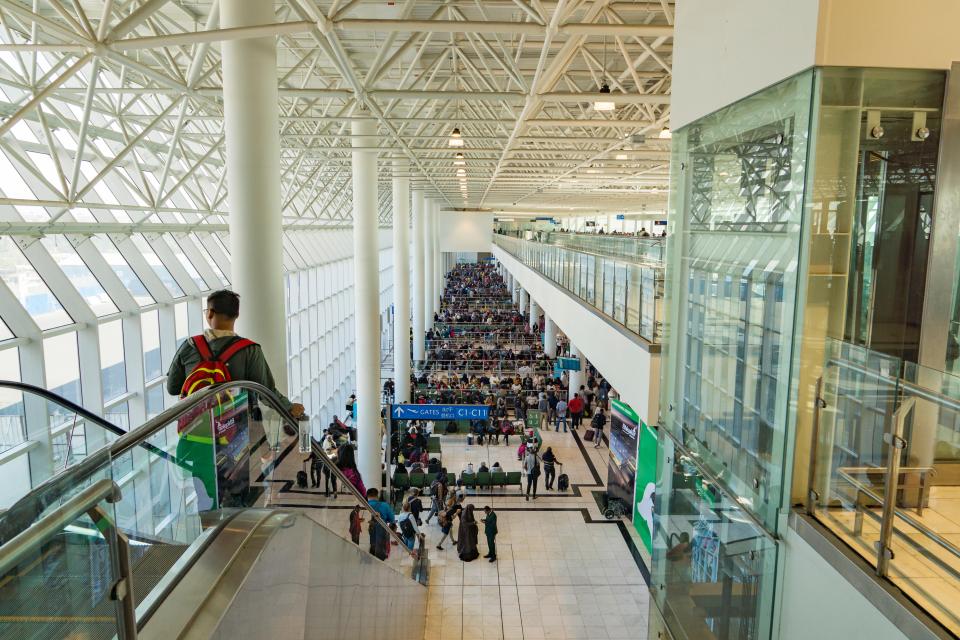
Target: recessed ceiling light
pixel 456 140
pixel 665 133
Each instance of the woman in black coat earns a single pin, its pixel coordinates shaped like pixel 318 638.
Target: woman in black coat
pixel 467 536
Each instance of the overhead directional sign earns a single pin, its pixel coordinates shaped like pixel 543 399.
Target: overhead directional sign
pixel 570 364
pixel 440 412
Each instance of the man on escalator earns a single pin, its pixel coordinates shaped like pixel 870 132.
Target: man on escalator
pixel 244 363
pixel 213 437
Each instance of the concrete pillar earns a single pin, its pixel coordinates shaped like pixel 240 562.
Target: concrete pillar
pixel 429 278
pixel 522 303
pixel 419 320
pixel 366 295
pixel 252 133
pixel 576 378
pixel 401 283
pixel 549 336
pixel 438 269
pixel 534 313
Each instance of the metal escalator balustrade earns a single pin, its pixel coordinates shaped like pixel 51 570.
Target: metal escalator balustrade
pixel 175 481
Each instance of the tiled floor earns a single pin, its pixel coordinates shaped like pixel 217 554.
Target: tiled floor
pixel 557 575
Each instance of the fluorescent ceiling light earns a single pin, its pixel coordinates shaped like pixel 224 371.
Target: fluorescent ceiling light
pixel 665 133
pixel 456 140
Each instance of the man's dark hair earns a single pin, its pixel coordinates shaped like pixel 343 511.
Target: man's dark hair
pixel 488 509
pixel 225 303
pixel 372 492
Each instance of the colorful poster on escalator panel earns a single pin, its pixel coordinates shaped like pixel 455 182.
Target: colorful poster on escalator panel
pixel 622 466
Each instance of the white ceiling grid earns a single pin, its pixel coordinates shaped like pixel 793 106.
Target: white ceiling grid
pixel 111 110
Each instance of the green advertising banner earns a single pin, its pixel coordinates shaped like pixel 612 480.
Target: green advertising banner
pixel 645 483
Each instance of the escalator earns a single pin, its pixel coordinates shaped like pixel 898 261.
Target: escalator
pixel 172 530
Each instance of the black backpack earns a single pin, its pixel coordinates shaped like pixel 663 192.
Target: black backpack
pixel 406 527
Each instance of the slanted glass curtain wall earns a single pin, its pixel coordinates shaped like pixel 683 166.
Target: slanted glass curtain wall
pixel 776 203
pixel 320 328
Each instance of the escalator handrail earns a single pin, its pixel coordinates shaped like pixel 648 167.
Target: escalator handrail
pixel 86 414
pixel 78 474
pixel 14 550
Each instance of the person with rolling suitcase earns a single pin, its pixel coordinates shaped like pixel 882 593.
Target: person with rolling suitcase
pixel 549 468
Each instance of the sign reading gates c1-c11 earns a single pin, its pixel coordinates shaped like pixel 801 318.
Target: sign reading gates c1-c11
pixel 439 412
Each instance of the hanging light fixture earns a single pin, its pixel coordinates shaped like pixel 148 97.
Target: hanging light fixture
pixel 459 161
pixel 665 133
pixel 604 105
pixel 456 140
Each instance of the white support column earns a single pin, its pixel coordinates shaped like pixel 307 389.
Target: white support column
pixel 522 300
pixel 251 125
pixel 429 278
pixel 438 270
pixel 549 336
pixel 401 283
pixel 534 313
pixel 576 378
pixel 366 269
pixel 514 293
pixel 419 320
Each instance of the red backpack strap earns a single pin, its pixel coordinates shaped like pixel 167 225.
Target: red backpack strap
pixel 203 347
pixel 231 350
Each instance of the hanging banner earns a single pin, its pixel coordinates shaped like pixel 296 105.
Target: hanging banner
pixel 645 483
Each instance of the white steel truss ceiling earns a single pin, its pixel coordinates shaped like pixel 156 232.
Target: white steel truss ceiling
pixel 111 106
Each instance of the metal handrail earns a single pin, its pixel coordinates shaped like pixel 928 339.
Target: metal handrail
pixel 896 443
pixel 16 549
pixel 898 382
pixel 78 474
pixel 86 414
pixel 72 406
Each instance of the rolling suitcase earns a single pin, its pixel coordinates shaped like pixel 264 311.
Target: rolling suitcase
pixel 302 479
pixel 588 436
pixel 563 482
pixel 470 441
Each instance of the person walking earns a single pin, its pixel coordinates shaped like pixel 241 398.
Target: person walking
pixel 543 406
pixel 490 530
pixel 467 536
pixel 454 507
pixel 531 466
pixel 330 450
pixel 549 468
pixel 598 422
pixel 355 520
pixel 407 524
pixel 438 494
pixel 561 411
pixel 347 463
pixel 379 537
pixel 575 407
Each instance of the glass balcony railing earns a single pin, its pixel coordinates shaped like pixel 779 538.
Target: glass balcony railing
pixel 620 277
pixel 885 471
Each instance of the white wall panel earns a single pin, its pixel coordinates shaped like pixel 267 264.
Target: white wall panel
pixel 465 231
pixel 725 50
